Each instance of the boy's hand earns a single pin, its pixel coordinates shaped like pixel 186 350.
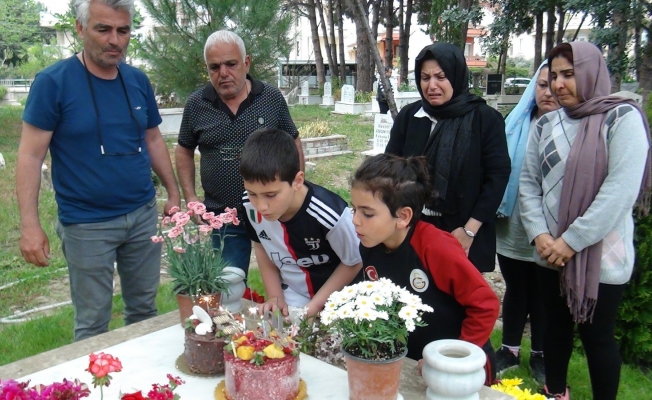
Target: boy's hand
pixel 273 304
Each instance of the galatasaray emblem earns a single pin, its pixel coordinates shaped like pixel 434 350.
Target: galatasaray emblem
pixel 418 280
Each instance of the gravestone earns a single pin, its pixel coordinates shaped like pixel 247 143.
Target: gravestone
pixel 305 98
pixel 348 94
pixel 630 95
pixel 328 89
pixel 494 83
pixel 328 99
pixel 374 87
pixel 382 127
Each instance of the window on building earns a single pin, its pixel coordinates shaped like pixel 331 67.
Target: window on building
pixel 467 49
pixel 298 48
pixel 511 51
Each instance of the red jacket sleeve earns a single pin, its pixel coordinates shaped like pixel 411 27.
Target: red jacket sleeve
pixel 455 275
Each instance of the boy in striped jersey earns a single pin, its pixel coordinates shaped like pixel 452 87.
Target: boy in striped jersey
pixel 304 239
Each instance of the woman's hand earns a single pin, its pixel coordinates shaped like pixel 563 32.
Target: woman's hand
pixel 542 242
pixel 465 240
pixel 419 366
pixel 558 253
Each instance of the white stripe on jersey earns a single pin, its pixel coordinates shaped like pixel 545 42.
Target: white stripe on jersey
pixel 323 213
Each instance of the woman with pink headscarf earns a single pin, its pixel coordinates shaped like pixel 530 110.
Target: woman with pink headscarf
pixel 587 165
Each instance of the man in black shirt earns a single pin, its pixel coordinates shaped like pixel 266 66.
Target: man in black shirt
pixel 217 119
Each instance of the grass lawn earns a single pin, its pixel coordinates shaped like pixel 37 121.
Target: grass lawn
pixel 39 286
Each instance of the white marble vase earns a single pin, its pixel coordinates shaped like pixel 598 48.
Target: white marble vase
pixel 236 288
pixel 453 369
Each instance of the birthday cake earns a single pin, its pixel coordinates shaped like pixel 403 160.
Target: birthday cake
pixel 261 368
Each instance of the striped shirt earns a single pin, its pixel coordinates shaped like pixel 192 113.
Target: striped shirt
pixel 310 246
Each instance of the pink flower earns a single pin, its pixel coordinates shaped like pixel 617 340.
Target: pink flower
pixel 200 209
pixel 166 221
pixel 208 215
pixel 179 250
pixel 226 217
pixel 101 364
pixel 157 239
pixel 174 232
pixel 234 213
pixel 173 210
pixel 216 223
pixel 205 229
pixel 180 218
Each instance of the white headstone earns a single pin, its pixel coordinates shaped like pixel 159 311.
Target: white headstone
pixel 328 89
pixel 375 86
pixel 348 94
pixel 382 126
pixel 305 89
pixel 630 95
pixel 394 82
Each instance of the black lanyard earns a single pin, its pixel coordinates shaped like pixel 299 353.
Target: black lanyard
pixel 97 112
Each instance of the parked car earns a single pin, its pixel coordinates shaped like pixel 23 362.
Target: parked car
pixel 517 82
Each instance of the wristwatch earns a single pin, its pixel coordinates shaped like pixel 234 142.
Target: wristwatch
pixel 468 232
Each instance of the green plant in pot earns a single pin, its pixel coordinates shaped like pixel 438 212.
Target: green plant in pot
pixel 196 268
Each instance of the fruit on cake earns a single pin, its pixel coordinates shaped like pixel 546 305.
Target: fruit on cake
pixel 262 368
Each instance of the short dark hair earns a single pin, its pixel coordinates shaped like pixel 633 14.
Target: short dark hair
pixel 561 50
pixel 398 182
pixel 269 154
pixel 388 68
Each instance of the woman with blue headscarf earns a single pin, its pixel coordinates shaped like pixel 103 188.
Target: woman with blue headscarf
pixel 522 297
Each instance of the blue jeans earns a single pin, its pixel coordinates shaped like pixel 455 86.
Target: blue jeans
pixel 237 246
pixel 92 250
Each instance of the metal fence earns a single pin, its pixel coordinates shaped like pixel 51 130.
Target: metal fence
pixel 16 82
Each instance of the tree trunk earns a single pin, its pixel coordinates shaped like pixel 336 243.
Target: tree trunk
pixel 550 28
pixel 335 70
pixel 560 24
pixel 617 56
pixel 378 60
pixel 538 41
pixel 500 62
pixel 364 69
pixel 638 57
pixel 389 33
pixel 404 42
pixel 503 66
pixel 579 27
pixel 464 5
pixel 645 78
pixel 340 35
pixel 375 24
pixel 327 45
pixel 314 31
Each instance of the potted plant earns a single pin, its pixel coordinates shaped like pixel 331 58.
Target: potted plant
pixel 197 269
pixel 373 318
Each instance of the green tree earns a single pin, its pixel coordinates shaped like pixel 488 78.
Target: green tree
pixel 19 29
pixel 448 20
pixel 175 49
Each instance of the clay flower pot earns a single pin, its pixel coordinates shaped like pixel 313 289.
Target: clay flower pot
pixel 371 379
pixel 453 369
pixel 186 303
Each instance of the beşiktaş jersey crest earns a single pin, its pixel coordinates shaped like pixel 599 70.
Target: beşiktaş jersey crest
pixel 307 248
